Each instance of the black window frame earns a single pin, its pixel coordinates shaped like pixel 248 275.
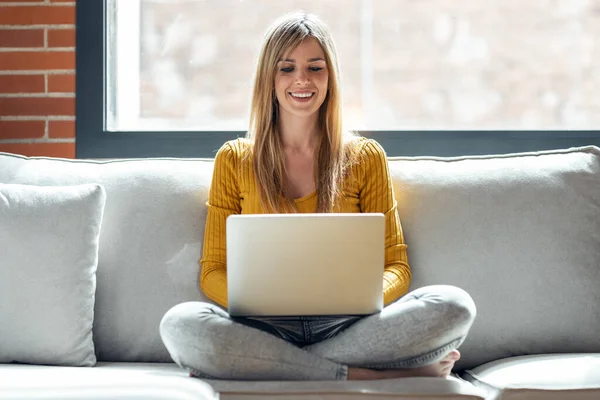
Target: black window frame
pixel 94 141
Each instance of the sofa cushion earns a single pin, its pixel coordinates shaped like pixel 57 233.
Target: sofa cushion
pixel 106 381
pixel 521 234
pixel 48 259
pixel 152 381
pixel 559 376
pixel 150 242
pixel 399 389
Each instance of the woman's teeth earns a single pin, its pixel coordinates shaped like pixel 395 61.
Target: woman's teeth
pixel 302 95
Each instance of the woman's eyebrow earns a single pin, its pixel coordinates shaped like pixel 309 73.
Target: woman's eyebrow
pixel 290 60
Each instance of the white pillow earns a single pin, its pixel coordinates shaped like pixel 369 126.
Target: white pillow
pixel 48 259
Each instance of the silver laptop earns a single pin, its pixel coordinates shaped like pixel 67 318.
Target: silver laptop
pixel 305 264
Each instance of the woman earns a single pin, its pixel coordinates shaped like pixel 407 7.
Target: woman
pixel 297 158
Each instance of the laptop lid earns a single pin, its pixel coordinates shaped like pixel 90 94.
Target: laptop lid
pixel 305 264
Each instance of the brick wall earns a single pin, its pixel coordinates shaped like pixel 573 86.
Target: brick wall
pixel 37 77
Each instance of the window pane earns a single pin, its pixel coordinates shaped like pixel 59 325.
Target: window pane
pixel 428 64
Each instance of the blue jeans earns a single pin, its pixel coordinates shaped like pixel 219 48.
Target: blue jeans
pixel 419 329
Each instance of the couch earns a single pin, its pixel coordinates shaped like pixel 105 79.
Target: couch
pixel 93 253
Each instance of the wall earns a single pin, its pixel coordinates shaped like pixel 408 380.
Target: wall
pixel 37 77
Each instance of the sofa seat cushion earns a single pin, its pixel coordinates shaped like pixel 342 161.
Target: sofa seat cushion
pixel 400 389
pixel 158 381
pixel 106 381
pixel 556 376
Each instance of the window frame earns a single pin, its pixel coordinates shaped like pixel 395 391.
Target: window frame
pixel 94 141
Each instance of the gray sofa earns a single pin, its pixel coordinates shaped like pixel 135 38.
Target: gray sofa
pixel 93 253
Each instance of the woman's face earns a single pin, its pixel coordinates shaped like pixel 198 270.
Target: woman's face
pixel 301 80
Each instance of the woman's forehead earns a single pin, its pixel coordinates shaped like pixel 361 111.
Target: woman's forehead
pixel 308 50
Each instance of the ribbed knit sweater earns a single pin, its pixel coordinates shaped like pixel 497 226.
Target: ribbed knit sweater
pixel 234 191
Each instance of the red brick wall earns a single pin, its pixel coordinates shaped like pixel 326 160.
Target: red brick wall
pixel 37 77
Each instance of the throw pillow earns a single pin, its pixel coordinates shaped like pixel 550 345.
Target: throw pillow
pixel 48 259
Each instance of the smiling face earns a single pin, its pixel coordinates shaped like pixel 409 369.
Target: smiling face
pixel 301 80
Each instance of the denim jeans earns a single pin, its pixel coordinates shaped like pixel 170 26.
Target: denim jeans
pixel 300 331
pixel 419 329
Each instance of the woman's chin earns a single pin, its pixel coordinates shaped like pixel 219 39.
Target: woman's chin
pixel 302 112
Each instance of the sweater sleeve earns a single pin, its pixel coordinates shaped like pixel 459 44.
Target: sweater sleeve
pixel 377 196
pixel 223 200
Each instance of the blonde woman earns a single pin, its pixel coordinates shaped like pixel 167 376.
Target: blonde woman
pixel 298 158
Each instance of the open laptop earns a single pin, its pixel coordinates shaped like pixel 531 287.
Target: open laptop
pixel 305 264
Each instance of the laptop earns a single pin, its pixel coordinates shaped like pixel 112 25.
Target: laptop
pixel 305 264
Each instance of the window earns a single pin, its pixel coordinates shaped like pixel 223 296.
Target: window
pixel 424 77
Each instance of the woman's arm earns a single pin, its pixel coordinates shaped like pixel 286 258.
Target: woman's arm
pixel 223 200
pixel 377 196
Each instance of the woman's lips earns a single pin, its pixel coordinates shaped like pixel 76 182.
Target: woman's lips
pixel 302 97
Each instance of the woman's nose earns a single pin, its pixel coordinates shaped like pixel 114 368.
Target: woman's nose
pixel 302 78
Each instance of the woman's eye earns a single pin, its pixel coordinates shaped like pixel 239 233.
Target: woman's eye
pixel 287 69
pixel 315 69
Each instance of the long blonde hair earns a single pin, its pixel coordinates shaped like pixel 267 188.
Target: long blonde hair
pixel 336 149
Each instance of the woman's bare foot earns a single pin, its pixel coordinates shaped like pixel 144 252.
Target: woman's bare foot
pixel 439 370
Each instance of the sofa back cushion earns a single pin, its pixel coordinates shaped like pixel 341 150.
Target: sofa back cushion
pixel 521 234
pixel 150 242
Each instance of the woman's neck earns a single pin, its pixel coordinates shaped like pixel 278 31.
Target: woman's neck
pixel 299 134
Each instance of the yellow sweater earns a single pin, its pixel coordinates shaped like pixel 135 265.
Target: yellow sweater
pixel 233 191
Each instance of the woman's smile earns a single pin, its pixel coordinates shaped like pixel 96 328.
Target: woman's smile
pixel 302 96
